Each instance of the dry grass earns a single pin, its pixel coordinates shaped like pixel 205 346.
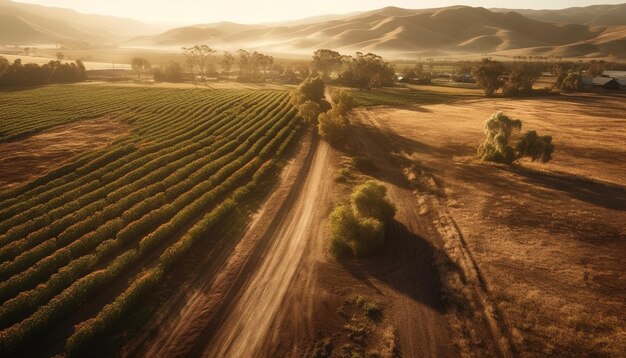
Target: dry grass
pixel 549 240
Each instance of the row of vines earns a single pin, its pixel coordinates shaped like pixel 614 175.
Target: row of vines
pixel 192 158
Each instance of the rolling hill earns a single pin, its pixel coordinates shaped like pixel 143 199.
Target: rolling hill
pixel 26 24
pixel 594 31
pixel 595 15
pixel 428 32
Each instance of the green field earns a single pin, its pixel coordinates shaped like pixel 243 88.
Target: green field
pixel 129 212
pixel 412 94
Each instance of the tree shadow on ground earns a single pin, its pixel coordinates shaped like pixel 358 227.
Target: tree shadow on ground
pixel 606 195
pixel 407 264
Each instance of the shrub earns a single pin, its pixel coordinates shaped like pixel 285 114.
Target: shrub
pixel 369 201
pixel 498 129
pixel 359 229
pixel 342 230
pixel 538 148
pixel 332 125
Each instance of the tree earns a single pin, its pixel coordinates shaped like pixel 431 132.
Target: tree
pixel 140 64
pixel 251 62
pixel 266 63
pixel 498 129
pixel 326 61
pixel 199 55
pixel 596 68
pixel 561 70
pixel 333 125
pixel 173 72
pixel 311 89
pixel 488 75
pixel 60 56
pixel 521 78
pixel 496 148
pixel 227 63
pixel 366 71
pixel 369 201
pixel 342 101
pixel 309 111
pixel 30 74
pixel 573 82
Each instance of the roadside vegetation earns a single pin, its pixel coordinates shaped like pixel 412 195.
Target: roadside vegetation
pixel 496 148
pixel 359 229
pixel 331 118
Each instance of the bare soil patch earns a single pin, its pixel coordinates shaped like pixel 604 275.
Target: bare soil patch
pixel 549 240
pixel 24 160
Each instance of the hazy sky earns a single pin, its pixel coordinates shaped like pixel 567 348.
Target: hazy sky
pixel 255 11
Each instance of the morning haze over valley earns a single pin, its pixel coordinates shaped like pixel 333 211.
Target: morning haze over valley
pixel 326 179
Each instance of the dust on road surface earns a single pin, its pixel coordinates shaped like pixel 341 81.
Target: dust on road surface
pixel 251 317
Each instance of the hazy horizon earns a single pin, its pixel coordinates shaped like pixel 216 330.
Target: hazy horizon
pixel 193 12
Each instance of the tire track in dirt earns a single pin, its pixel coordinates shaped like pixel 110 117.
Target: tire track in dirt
pixel 245 328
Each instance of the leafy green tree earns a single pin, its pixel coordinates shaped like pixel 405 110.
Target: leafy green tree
pixel 487 74
pixel 596 68
pixel 369 200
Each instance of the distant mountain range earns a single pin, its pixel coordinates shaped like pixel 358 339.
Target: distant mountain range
pixel 27 24
pixel 574 32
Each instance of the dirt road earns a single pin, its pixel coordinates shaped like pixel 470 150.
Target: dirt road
pixel 229 308
pixel 250 319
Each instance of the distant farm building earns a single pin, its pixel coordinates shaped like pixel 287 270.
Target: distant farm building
pixel 608 83
pixel 464 79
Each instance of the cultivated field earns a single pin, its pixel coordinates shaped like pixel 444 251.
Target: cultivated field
pixel 103 224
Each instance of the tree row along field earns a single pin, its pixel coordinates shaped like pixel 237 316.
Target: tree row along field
pixel 193 157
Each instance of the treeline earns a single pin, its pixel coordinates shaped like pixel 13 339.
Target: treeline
pixel 362 71
pixel 17 74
